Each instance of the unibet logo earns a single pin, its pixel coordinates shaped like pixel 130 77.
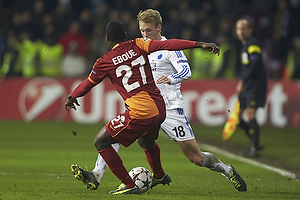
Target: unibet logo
pixel 40 95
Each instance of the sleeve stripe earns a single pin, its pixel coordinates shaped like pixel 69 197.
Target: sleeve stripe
pixel 89 78
pixel 183 73
pixel 179 54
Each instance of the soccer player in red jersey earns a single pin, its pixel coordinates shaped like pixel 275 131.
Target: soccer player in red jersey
pixel 128 68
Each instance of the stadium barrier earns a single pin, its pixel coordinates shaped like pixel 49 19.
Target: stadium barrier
pixel 206 101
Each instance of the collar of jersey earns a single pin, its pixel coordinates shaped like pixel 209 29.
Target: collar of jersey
pixel 116 46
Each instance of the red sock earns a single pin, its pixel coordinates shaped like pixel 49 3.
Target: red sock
pixel 115 164
pixel 153 157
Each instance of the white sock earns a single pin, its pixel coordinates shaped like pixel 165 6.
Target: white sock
pixel 214 164
pixel 101 166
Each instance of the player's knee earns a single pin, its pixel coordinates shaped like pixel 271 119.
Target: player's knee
pixel 250 113
pixel 146 143
pixel 103 140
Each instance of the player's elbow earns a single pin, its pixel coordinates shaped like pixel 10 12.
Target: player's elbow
pixel 188 75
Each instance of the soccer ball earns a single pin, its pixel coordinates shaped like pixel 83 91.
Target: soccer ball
pixel 142 178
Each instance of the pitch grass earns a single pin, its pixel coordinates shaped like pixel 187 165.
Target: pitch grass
pixel 35 161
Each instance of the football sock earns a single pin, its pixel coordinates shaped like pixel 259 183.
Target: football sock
pixel 101 166
pixel 255 133
pixel 153 157
pixel 115 164
pixel 245 127
pixel 214 164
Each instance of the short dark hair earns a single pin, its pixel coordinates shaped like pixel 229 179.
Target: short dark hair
pixel 115 30
pixel 249 19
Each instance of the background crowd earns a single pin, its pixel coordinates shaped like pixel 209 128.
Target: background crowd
pixel 63 38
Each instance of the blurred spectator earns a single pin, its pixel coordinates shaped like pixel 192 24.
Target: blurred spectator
pixel 293 61
pixel 174 25
pixel 226 27
pixel 26 64
pixel 38 12
pixel 101 13
pixel 200 59
pixel 86 22
pixel 187 14
pixel 50 53
pixel 16 23
pixel 281 30
pixel 47 20
pixel 200 63
pixel 62 17
pixel 74 35
pixel 224 65
pixel 276 22
pixel 9 57
pixel 209 8
pixel 130 24
pixel 187 34
pixel 97 44
pixel 77 6
pixel 27 24
pixel 2 42
pixel 74 64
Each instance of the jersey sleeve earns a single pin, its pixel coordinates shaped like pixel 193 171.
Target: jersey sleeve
pixel 98 72
pixel 143 43
pixel 94 78
pixel 171 45
pixel 149 45
pixel 82 89
pixel 181 65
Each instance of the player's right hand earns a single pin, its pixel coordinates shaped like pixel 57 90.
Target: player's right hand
pixel 70 103
pixel 212 47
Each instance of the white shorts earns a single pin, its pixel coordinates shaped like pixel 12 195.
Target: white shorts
pixel 177 125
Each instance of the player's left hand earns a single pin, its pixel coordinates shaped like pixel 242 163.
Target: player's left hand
pixel 163 79
pixel 212 47
pixel 70 103
pixel 239 87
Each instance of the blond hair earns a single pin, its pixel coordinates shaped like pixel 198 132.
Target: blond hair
pixel 150 16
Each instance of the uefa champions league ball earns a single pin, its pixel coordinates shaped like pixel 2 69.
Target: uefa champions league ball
pixel 142 178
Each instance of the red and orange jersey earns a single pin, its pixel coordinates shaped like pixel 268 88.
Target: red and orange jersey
pixel 127 66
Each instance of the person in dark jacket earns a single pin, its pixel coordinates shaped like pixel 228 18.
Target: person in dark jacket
pixel 252 88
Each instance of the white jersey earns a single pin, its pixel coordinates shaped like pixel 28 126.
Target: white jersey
pixel 174 65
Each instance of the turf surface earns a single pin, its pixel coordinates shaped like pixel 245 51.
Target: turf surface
pixel 35 161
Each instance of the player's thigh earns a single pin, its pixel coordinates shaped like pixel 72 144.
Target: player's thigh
pixel 177 126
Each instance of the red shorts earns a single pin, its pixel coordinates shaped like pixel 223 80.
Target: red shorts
pixel 126 130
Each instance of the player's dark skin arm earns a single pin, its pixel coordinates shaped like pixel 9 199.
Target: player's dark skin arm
pixel 212 47
pixel 178 44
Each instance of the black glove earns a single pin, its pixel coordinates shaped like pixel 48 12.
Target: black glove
pixel 70 103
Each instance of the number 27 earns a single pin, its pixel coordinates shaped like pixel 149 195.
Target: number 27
pixel 128 73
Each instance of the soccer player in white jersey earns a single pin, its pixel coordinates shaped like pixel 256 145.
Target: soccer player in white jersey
pixel 169 69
